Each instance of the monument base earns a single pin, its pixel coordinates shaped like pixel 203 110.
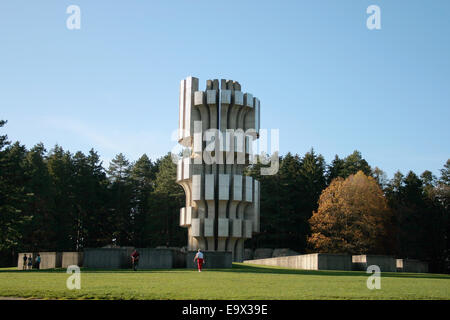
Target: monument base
pixel 213 260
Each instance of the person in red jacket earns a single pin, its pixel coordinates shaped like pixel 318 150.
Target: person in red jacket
pixel 200 260
pixel 135 259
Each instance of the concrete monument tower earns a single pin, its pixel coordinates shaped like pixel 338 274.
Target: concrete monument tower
pixel 217 128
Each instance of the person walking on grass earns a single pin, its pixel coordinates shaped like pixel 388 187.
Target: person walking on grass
pixel 135 259
pixel 24 261
pixel 200 260
pixel 30 262
pixel 38 261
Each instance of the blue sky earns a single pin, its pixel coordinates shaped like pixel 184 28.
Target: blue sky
pixel 323 78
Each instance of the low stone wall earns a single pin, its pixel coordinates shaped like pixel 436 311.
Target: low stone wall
pixel 107 258
pixel 179 260
pixel 213 259
pixel 262 253
pixel 72 258
pixel 412 265
pixel 248 254
pixel 284 252
pixel 50 260
pixel 385 263
pixel 160 258
pixel 314 261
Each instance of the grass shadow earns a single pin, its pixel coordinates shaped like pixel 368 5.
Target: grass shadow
pixel 249 268
pixel 245 268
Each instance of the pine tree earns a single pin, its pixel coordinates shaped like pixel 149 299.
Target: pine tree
pixel 142 176
pixel 165 203
pixel 13 197
pixel 41 202
pixel 347 166
pixel 120 195
pixel 63 234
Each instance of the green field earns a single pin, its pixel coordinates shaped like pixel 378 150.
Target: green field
pixel 240 282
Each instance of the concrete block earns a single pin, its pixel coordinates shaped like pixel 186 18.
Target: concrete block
pixel 71 259
pixel 107 258
pixel 211 96
pixel 180 169
pixel 197 187
pixel 50 260
pixel 411 265
pixel 257 114
pixel 284 252
pixel 209 187
pixel 386 263
pixel 209 227
pixel 248 254
pixel 236 228
pixel 248 189
pixel 248 100
pixel 224 225
pixel 160 258
pixel 262 253
pixel 255 207
pixel 329 261
pixel 187 89
pixel 314 261
pixel 186 216
pixel 224 186
pixel 239 142
pixel 237 187
pixel 248 229
pixel 199 98
pixel 213 260
pixel 239 98
pixel 196 227
pixel 182 216
pixel 225 96
pixel 186 168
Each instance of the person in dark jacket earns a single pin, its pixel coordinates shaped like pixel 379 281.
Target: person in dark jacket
pixel 30 262
pixel 38 261
pixel 135 259
pixel 24 261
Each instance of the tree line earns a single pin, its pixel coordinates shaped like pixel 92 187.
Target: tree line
pixel 55 200
pixel 59 201
pixel 349 207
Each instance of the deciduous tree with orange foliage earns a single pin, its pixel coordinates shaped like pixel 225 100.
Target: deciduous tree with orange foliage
pixel 351 218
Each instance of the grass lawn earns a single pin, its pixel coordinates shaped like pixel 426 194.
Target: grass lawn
pixel 240 282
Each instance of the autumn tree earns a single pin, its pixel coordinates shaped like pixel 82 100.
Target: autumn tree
pixel 351 217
